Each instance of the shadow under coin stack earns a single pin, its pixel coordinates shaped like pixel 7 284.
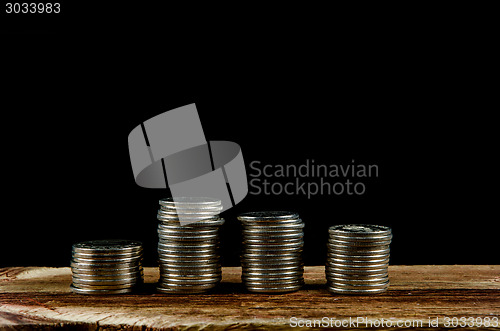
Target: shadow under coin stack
pixel 106 266
pixel 358 259
pixel 272 251
pixel 188 254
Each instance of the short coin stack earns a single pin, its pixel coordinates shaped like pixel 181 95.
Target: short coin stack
pixel 106 266
pixel 358 259
pixel 188 254
pixel 272 251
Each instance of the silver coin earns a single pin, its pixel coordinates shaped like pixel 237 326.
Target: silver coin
pixel 188 260
pixel 180 237
pixel 105 282
pixel 199 226
pixel 189 266
pixel 356 276
pixel 183 281
pixel 276 289
pixel 133 259
pixel 208 222
pixel 267 262
pixel 188 246
pixel 193 220
pixel 103 287
pixel 100 291
pixel 107 276
pixel 186 233
pixel 270 241
pixel 275 237
pixel 187 220
pixel 274 280
pixel 271 260
pixel 340 280
pixel 282 223
pixel 169 274
pixel 367 266
pixel 187 287
pixel 191 273
pixel 274 283
pixel 358 243
pixel 337 290
pixel 356 271
pixel 271 267
pixel 105 272
pixel 365 286
pixel 187 227
pixel 181 243
pixel 108 246
pixel 296 244
pixel 259 269
pixel 193 208
pixel 267 216
pixel 198 257
pixel 359 229
pixel 272 229
pixel 247 269
pixel 184 290
pixel 361 239
pixel 266 236
pixel 191 213
pixel 105 254
pixel 359 251
pixel 102 266
pixel 184 252
pixel 358 288
pixel 271 255
pixel 374 262
pixel 275 250
pixel 214 210
pixel 293 226
pixel 274 274
pixel 137 274
pixel 217 205
pixel 184 202
pixel 358 257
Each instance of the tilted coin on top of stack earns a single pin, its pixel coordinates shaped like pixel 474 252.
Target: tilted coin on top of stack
pixel 358 259
pixel 272 251
pixel 106 266
pixel 188 254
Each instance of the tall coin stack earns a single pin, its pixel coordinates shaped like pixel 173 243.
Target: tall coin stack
pixel 188 254
pixel 272 251
pixel 106 266
pixel 358 259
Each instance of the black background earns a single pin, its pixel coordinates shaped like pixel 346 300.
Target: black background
pixel 414 98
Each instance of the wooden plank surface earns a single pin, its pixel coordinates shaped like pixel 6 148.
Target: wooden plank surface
pixel 418 294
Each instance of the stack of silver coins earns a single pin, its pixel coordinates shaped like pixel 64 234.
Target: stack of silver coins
pixel 188 245
pixel 358 259
pixel 272 251
pixel 106 266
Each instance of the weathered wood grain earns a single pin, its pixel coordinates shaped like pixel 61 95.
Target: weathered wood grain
pixel 40 297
